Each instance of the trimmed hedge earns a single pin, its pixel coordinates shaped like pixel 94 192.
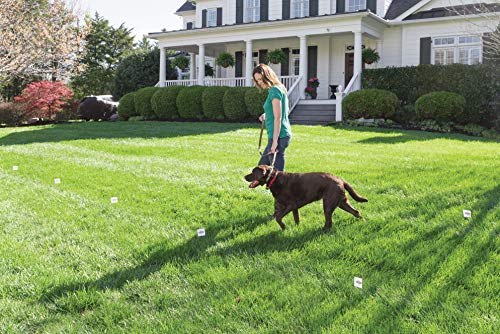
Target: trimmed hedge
pixel 254 101
pixel 164 102
pixel 370 103
pixel 440 106
pixel 143 102
pixel 189 102
pixel 126 107
pixel 234 104
pixel 478 84
pixel 212 102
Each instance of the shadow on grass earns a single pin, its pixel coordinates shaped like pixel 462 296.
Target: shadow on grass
pixel 396 136
pixel 408 308
pixel 191 250
pixel 109 130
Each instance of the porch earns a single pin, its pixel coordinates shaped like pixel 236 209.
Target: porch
pixel 314 48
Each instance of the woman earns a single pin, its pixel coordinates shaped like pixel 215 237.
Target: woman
pixel 275 115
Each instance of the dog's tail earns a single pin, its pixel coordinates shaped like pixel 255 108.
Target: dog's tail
pixel 354 195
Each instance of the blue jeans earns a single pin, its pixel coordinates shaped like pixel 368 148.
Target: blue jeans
pixel 267 159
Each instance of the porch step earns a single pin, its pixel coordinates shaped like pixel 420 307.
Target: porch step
pixel 313 114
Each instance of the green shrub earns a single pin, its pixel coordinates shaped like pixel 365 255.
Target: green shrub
pixel 10 113
pixel 212 102
pixel 254 101
pixel 405 114
pixel 164 102
pixel 234 104
pixel 441 107
pixel 478 84
pixel 370 103
pixel 143 102
pixel 126 107
pixel 189 102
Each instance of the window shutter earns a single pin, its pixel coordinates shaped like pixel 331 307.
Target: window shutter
pixel 239 64
pixel 264 10
pixel 312 59
pixel 239 11
pixel 286 10
pixel 371 5
pixel 189 25
pixel 286 64
pixel 262 56
pixel 313 7
pixel 341 6
pixel 219 16
pixel 425 50
pixel 204 18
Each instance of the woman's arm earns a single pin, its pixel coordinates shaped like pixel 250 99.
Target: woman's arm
pixel 277 124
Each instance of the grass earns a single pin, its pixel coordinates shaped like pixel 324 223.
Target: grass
pixel 71 261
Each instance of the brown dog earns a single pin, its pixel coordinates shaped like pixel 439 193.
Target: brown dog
pixel 292 191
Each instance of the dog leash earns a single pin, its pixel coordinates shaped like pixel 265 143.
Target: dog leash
pixel 260 146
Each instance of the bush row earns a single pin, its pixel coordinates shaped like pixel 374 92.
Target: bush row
pixel 378 103
pixel 478 84
pixel 193 103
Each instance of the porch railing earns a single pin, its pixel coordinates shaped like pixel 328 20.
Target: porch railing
pixel 294 94
pixel 231 82
pixel 169 83
pixel 353 85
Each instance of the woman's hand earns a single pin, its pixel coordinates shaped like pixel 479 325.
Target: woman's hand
pixel 262 118
pixel 274 146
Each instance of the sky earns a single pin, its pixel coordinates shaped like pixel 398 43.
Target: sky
pixel 144 16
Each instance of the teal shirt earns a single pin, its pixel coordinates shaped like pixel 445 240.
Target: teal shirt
pixel 276 93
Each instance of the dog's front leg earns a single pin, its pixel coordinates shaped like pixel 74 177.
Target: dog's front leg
pixel 279 208
pixel 279 215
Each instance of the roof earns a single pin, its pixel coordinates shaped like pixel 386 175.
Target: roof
pixel 186 7
pixel 398 7
pixel 455 11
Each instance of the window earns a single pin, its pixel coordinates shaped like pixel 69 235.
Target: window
pixel 300 8
pixel 355 5
pixel 211 17
pixel 457 49
pixel 252 11
pixel 296 65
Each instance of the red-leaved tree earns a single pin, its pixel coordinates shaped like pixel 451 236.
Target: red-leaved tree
pixel 44 99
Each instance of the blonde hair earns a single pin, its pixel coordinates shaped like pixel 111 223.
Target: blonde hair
pixel 269 78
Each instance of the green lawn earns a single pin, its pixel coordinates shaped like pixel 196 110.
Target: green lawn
pixel 73 262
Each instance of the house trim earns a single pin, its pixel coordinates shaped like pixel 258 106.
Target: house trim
pixel 443 19
pixel 412 10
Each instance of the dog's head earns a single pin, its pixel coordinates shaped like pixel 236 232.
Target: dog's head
pixel 258 176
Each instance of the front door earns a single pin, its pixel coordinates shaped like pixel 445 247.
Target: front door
pixel 349 68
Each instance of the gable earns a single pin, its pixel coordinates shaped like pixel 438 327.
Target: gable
pixel 398 7
pixel 454 10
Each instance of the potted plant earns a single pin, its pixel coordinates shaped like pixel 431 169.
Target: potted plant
pixel 312 85
pixel 370 56
pixel 225 60
pixel 275 56
pixel 209 70
pixel 181 62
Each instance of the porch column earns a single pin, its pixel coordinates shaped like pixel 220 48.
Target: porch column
pixel 163 67
pixel 357 58
pixel 249 63
pixel 201 64
pixel 303 66
pixel 379 50
pixel 192 66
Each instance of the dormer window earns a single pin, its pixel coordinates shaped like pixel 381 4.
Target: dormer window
pixel 355 5
pixel 211 17
pixel 252 10
pixel 300 8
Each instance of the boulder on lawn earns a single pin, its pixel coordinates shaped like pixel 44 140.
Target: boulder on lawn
pixel 97 108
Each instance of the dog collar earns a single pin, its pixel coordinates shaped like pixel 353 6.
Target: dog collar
pixel 272 181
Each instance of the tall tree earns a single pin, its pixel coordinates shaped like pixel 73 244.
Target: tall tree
pixel 40 38
pixel 105 47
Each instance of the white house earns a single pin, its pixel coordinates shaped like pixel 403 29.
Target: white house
pixel 325 38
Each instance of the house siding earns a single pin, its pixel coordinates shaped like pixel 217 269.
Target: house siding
pixel 412 33
pixel 391 47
